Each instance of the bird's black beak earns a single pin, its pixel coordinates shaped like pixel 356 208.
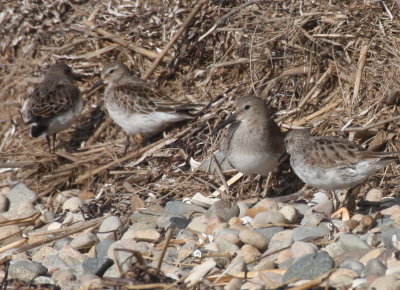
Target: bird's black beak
pixel 223 124
pixel 96 86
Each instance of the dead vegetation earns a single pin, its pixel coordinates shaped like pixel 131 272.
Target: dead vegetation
pixel 330 66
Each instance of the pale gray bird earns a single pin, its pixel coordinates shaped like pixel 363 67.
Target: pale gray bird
pixel 137 107
pixel 254 143
pixel 54 104
pixel 332 163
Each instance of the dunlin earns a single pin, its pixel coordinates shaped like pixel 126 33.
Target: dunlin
pixel 54 104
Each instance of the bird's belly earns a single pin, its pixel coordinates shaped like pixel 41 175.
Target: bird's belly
pixel 147 124
pixel 64 120
pixel 248 163
pixel 330 179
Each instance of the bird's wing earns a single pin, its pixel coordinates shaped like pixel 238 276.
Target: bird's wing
pixel 49 100
pixel 142 98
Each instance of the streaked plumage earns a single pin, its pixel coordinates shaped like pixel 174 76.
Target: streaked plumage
pixel 332 163
pixel 136 106
pixel 54 104
pixel 254 143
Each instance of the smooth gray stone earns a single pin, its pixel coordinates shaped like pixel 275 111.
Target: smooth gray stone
pixel 350 242
pixel 354 265
pixel 20 193
pixel 309 267
pixel 179 222
pixel 387 237
pixel 306 233
pixel 269 232
pixel 102 248
pixel 26 270
pixel 178 208
pixel 96 266
pixel 312 219
pixel 224 210
pixel 375 267
pixel 55 262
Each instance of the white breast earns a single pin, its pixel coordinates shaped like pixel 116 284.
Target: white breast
pixel 147 124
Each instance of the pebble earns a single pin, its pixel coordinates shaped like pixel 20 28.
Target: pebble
pixel 389 282
pixel 342 278
pixel 300 249
pixel 26 270
pixel 59 244
pixel 223 210
pixel 96 266
pixel 281 239
pixel 9 234
pixel 147 235
pixel 305 233
pixel 249 254
pixel 290 213
pixel 73 204
pixel 375 267
pixel 225 246
pixel 43 252
pixel 350 242
pixel 269 232
pixel 267 218
pixel 374 253
pixel 198 224
pixel 353 265
pixel 264 264
pixel 20 194
pixel 102 248
pixel 84 240
pixel 62 275
pixel 228 234
pixel 388 235
pixel 268 204
pixel 178 222
pixel 312 219
pixel 180 208
pixel 309 267
pixel 253 238
pixel 374 195
pixel 109 228
pixel 234 284
pixel 283 257
pixel 236 266
pixel 54 262
pixel 186 250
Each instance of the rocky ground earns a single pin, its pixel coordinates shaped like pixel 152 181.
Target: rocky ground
pixel 203 242
pixel 89 216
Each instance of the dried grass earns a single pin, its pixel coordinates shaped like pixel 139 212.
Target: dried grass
pixel 333 68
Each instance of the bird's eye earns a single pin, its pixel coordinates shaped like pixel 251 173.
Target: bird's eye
pixel 111 71
pixel 247 107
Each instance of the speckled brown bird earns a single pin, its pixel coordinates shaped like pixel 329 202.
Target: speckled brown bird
pixel 137 107
pixel 54 104
pixel 332 163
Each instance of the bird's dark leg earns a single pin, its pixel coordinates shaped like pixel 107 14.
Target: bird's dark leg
pixel 49 143
pixel 54 143
pixel 127 143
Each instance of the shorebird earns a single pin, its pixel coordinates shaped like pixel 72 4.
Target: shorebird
pixel 54 104
pixel 137 107
pixel 332 163
pixel 254 143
